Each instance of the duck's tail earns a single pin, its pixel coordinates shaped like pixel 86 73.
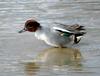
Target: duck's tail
pixel 78 36
pixel 80 28
pixel 79 31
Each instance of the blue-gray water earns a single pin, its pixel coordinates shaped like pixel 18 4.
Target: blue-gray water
pixel 18 51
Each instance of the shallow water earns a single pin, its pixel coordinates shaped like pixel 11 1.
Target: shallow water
pixel 24 55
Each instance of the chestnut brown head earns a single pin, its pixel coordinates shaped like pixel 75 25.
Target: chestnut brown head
pixel 31 26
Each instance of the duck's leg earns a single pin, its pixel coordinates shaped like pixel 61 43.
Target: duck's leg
pixel 61 46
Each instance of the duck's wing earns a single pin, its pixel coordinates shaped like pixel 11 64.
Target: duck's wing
pixel 63 32
pixel 74 27
pixel 77 30
pixel 61 29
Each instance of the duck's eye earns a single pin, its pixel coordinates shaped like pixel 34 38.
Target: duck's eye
pixel 29 26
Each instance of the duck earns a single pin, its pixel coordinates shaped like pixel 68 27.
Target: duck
pixel 59 35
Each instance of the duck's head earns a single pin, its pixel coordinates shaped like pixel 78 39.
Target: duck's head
pixel 31 26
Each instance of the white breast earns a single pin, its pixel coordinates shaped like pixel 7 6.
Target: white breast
pixel 40 36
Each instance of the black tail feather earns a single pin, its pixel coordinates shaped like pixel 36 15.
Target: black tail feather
pixel 76 40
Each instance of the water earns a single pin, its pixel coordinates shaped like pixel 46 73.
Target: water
pixel 24 55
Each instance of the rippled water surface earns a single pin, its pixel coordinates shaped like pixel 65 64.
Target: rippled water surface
pixel 24 55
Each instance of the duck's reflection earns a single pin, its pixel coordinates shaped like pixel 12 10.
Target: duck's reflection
pixel 31 68
pixel 54 56
pixel 59 56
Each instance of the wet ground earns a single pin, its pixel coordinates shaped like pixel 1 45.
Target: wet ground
pixel 24 55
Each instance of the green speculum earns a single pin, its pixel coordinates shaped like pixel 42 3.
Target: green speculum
pixel 66 34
